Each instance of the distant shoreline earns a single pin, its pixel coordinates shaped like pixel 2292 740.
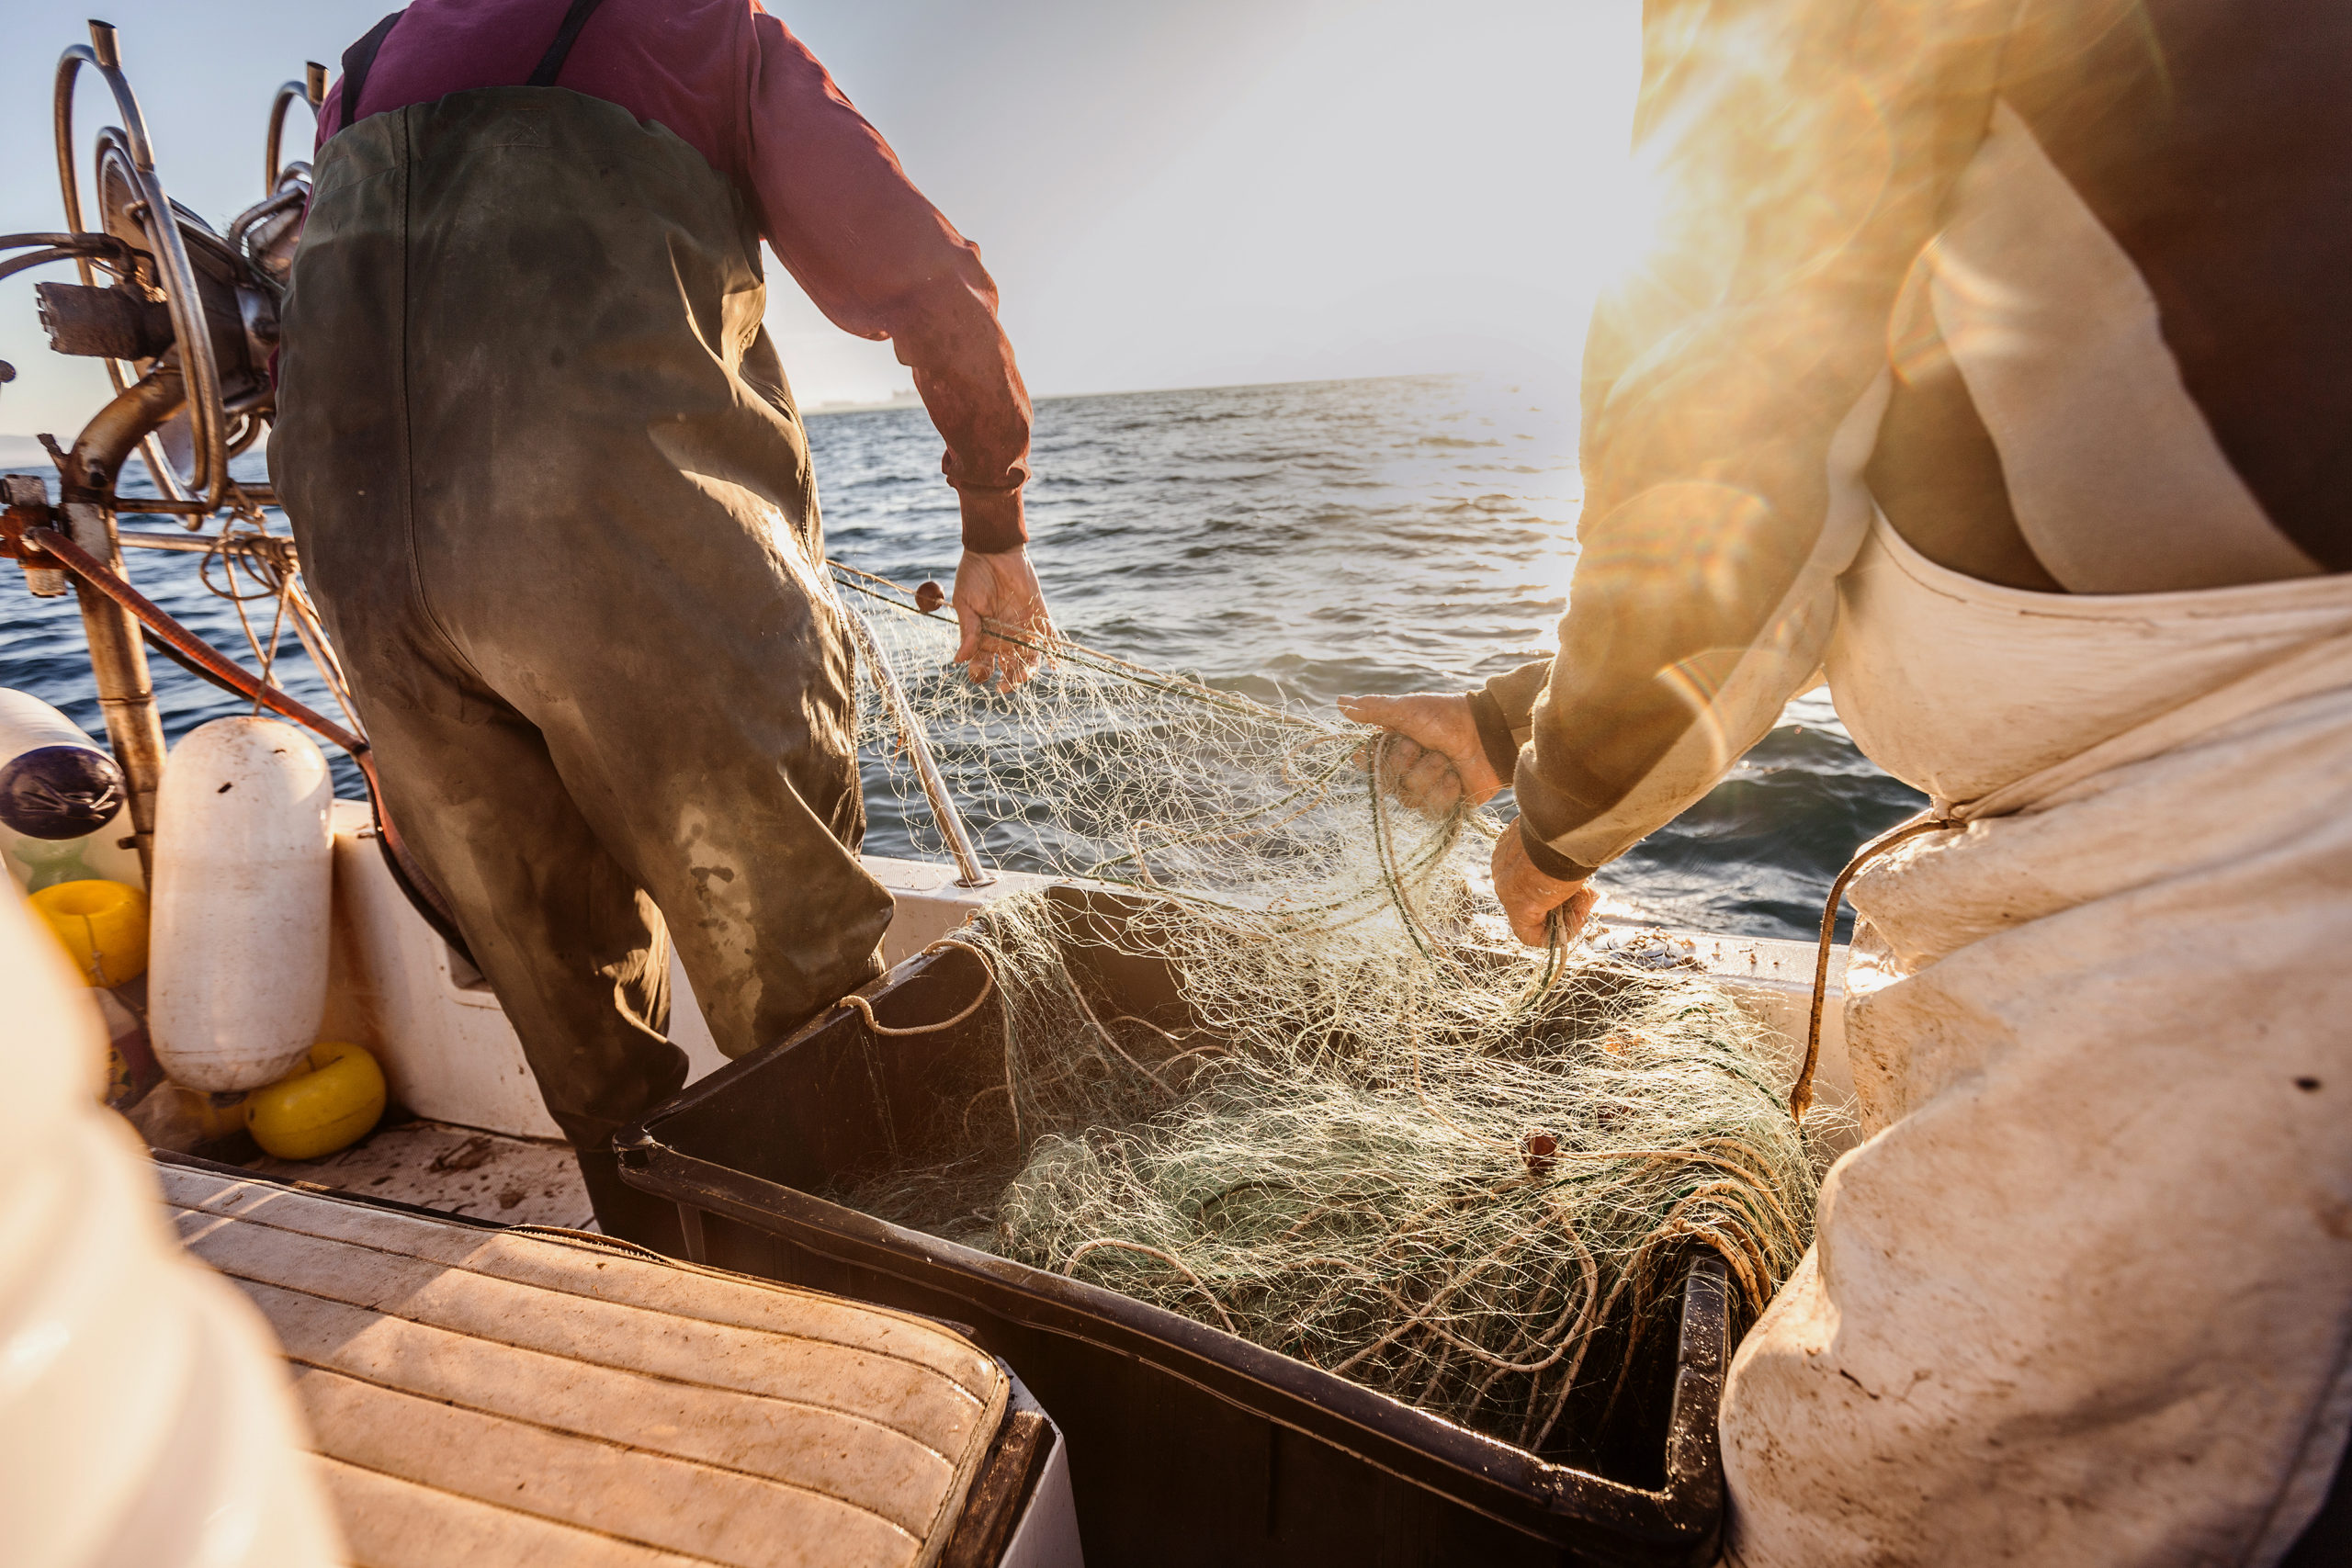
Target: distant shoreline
pixel 909 399
pixel 19 452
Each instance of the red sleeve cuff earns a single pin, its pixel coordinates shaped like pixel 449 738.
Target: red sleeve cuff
pixel 994 521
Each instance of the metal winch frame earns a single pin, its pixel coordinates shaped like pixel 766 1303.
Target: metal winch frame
pixel 219 291
pixel 186 320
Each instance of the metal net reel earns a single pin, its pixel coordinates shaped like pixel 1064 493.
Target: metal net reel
pixel 187 304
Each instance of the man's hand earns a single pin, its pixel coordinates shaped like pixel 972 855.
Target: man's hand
pixel 1436 759
pixel 1528 896
pixel 1003 588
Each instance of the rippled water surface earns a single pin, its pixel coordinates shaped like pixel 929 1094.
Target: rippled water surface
pixel 1297 542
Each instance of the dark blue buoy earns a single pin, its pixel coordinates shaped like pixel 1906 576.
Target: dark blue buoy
pixel 60 792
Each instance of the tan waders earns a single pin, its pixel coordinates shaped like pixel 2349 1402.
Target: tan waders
pixel 555 502
pixel 2082 1297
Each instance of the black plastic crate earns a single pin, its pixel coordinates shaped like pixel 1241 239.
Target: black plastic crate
pixel 1188 1445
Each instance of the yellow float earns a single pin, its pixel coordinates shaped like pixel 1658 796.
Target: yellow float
pixel 333 1102
pixel 103 926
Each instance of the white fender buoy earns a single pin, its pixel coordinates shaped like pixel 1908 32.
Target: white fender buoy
pixel 237 943
pixel 61 798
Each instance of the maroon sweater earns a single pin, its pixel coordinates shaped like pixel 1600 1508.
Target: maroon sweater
pixel 732 83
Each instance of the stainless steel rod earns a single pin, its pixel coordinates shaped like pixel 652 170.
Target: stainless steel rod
pixel 277 546
pixel 126 692
pixel 934 788
pixel 118 658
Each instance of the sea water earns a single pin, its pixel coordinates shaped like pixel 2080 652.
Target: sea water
pixel 1298 542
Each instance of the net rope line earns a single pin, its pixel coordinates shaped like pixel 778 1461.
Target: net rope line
pixel 275 578
pixel 864 1008
pixel 900 597
pixel 1309 791
pixel 1346 1126
pixel 1070 1269
pixel 1801 1093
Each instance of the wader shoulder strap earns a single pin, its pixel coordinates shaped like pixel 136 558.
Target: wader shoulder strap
pixel 362 55
pixel 551 62
pixel 356 62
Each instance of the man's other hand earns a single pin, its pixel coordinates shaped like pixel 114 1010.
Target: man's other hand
pixel 1003 589
pixel 1436 759
pixel 1528 896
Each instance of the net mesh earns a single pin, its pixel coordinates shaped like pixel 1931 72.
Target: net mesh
pixel 1360 1127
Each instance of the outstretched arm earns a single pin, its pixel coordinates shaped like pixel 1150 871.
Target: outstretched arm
pixel 1732 394
pixel 882 263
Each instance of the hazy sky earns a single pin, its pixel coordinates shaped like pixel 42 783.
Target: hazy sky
pixel 1174 192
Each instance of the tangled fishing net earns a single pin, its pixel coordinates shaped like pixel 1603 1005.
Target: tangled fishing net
pixel 1361 1127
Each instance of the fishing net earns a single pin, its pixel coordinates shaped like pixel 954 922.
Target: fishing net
pixel 1343 1116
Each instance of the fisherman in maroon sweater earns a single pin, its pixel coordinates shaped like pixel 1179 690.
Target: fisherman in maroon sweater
pixel 557 502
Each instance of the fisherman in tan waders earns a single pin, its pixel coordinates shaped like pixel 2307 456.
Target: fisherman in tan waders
pixel 1995 359
pixel 551 490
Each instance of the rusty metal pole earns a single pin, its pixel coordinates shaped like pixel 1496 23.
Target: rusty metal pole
pixel 970 871
pixel 118 658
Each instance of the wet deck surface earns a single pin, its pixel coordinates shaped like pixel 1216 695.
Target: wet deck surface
pixel 516 1181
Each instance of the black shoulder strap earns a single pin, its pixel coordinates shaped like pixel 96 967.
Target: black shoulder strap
pixel 361 55
pixel 356 62
pixel 551 62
